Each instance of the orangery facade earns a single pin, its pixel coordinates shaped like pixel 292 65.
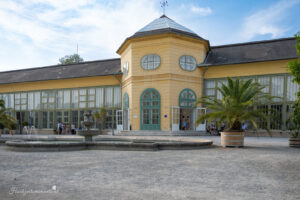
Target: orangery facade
pixel 162 70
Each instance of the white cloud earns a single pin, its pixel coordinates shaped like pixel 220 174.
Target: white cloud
pixel 267 21
pixel 52 28
pixel 201 11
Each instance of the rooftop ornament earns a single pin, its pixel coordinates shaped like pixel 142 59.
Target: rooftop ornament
pixel 164 4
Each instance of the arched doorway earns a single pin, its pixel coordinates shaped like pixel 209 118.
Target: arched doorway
pixel 150 109
pixel 187 100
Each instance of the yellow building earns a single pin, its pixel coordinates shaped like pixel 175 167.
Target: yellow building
pixel 163 68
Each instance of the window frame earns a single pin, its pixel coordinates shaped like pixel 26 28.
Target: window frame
pixel 186 56
pixel 147 55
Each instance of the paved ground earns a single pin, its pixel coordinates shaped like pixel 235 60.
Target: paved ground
pixel 266 169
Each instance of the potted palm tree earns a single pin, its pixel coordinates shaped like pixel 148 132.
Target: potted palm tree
pixel 236 107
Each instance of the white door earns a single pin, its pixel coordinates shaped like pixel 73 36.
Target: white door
pixel 126 120
pixel 119 120
pixel 175 118
pixel 201 126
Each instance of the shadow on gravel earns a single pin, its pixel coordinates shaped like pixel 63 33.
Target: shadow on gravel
pixel 268 148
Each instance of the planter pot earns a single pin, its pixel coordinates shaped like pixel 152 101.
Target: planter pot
pixel 294 142
pixel 232 139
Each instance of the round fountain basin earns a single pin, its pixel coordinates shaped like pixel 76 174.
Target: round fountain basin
pixel 21 145
pixel 111 143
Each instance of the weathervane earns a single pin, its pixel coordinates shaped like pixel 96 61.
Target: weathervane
pixel 163 4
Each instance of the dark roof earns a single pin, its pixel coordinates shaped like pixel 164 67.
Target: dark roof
pixel 259 51
pixel 84 69
pixel 163 25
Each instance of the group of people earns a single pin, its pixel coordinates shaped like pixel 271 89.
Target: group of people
pixel 213 130
pixel 66 128
pixel 185 125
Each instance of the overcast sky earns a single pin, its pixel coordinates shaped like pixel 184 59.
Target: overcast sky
pixel 36 33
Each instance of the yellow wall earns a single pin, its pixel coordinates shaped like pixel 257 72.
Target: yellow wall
pixel 169 89
pixel 127 57
pixel 169 49
pixel 62 83
pixel 168 79
pixel 249 69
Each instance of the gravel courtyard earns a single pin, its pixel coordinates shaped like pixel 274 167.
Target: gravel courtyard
pixel 265 169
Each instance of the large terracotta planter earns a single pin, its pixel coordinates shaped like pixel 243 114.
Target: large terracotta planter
pixel 232 139
pixel 294 142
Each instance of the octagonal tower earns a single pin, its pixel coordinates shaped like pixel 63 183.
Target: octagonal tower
pixel 161 79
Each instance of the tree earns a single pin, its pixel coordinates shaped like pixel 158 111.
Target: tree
pixel 6 121
pixel 101 117
pixel 294 66
pixel 69 59
pixel 237 104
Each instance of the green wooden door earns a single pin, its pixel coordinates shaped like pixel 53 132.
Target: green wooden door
pixel 150 110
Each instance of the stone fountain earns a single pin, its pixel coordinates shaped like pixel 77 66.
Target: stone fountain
pixel 40 143
pixel 88 122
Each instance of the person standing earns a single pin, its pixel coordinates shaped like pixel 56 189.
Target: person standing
pixel 244 126
pixel 67 128
pixel 187 124
pixel 73 130
pixel 184 125
pixel 59 127
pixel 63 127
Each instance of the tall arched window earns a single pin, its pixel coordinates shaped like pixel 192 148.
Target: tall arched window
pixel 150 109
pixel 125 101
pixel 126 117
pixel 187 98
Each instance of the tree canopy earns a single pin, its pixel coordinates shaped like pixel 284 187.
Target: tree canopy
pixel 294 67
pixel 69 59
pixel 6 121
pixel 101 116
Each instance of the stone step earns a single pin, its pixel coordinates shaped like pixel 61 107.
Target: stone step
pixel 163 133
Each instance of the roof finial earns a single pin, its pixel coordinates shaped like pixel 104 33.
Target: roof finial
pixel 163 4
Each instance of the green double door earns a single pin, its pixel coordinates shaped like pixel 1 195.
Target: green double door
pixel 150 110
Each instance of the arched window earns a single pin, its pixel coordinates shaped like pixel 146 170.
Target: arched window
pixel 187 63
pixel 187 98
pixel 125 101
pixel 150 61
pixel 150 109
